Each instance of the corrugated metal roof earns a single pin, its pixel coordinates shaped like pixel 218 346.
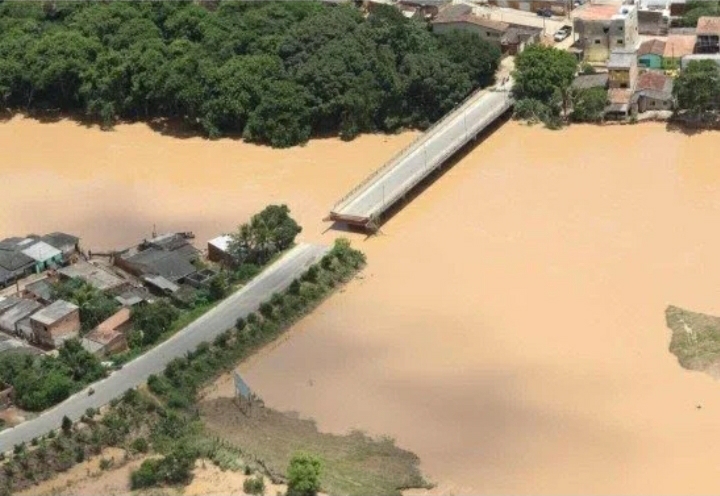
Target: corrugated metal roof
pixel 41 252
pixel 54 312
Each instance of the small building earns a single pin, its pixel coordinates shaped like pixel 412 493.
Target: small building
pixel 94 275
pixel 44 255
pixel 622 70
pixel 650 54
pixel 10 318
pixel 110 335
pixel 460 17
pixel 218 249
pixel 653 91
pixel 602 29
pixel 708 35
pixel 40 290
pixel 7 302
pixel 56 323
pixel 428 8
pixel 587 81
pixel 516 38
pixel 619 103
pixel 201 278
pixel 68 244
pixel 170 256
pixel 677 46
pixel 14 265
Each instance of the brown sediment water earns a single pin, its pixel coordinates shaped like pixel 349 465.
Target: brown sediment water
pixel 112 187
pixel 509 327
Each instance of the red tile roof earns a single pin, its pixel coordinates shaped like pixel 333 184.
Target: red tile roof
pixel 654 47
pixel 652 80
pixel 679 45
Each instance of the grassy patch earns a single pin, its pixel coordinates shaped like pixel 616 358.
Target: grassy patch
pixel 695 339
pixel 353 464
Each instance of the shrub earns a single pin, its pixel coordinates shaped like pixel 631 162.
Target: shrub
pixel 304 475
pixel 139 445
pixel 145 476
pixel 90 412
pixel 252 318
pixel 105 463
pixel 19 448
pixel 66 424
pixel 34 441
pixel 254 485
pixel 240 324
pixel 266 309
pixel 51 434
pixel 79 454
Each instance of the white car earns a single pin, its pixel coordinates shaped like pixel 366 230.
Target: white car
pixel 562 33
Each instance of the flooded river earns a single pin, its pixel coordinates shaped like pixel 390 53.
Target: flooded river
pixel 509 328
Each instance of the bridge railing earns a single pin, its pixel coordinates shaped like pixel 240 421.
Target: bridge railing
pixel 446 153
pixel 424 136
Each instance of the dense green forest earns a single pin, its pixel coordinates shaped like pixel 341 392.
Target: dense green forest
pixel 273 72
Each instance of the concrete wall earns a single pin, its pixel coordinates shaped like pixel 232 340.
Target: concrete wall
pixel 646 103
pixel 558 7
pixel 600 37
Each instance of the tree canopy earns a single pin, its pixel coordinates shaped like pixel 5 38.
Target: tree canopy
pixel 270 231
pixel 273 72
pixel 697 88
pixel 304 475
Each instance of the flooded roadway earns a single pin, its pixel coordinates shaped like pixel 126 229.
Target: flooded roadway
pixel 509 328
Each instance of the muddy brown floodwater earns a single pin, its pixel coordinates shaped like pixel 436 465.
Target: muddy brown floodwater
pixel 509 328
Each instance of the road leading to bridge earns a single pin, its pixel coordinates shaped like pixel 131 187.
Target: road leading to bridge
pixel 369 200
pixel 221 318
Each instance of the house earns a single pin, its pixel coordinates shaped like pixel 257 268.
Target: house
pixel 201 278
pixel 56 323
pixel 619 103
pixel 708 35
pixel 44 255
pixel 428 8
pixel 14 265
pixel 653 91
pixel 460 17
pixel 160 285
pixel 587 81
pixel 7 302
pixel 557 7
pixel 110 335
pixel 218 249
pixel 653 23
pixel 677 46
pixel 516 38
pixel 24 308
pixel 170 256
pixel 622 70
pixel 68 244
pixel 40 290
pixel 602 29
pixel 94 275
pixel 650 54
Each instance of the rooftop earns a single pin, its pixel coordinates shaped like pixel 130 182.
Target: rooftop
pixel 8 302
pixel 18 312
pixel 221 242
pixel 619 96
pixel 60 240
pixel 133 296
pixel 453 12
pixel 118 319
pixel 679 45
pixel 653 46
pixel 90 345
pixel 54 312
pixel 41 251
pixel 708 26
pixel 621 60
pixel 169 264
pixel 14 260
pixel 654 80
pixel 598 12
pixel 40 289
pixel 95 276
pixel 161 283
pixel 473 19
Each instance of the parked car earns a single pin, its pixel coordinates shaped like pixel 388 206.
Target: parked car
pixel 545 12
pixel 562 33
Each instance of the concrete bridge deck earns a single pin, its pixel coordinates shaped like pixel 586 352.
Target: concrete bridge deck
pixel 371 198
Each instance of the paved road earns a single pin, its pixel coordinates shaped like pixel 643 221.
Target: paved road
pixel 276 278
pixel 429 151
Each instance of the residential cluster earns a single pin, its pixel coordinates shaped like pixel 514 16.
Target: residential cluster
pixel 34 320
pixel 637 61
